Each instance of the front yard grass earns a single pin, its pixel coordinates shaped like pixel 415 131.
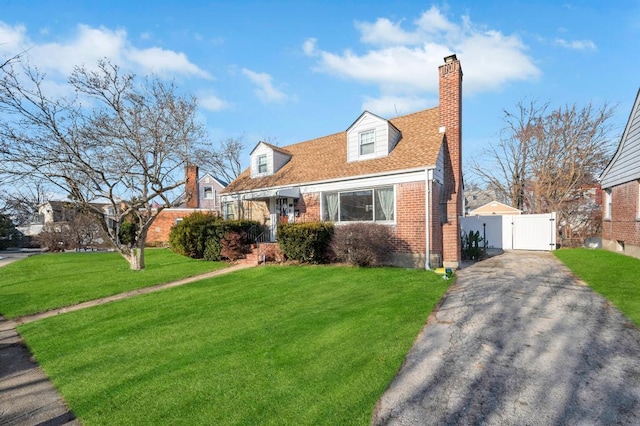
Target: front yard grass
pixel 48 281
pixel 615 276
pixel 270 345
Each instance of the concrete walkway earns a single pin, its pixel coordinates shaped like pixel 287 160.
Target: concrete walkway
pixel 27 397
pixel 519 341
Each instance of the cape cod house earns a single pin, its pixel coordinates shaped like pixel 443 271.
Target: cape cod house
pixel 621 191
pixel 403 172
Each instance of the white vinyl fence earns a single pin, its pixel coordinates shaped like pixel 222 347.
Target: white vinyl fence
pixel 514 232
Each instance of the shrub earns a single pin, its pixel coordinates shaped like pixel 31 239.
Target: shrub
pixel 361 244
pixel 212 250
pixel 233 245
pixel 189 236
pixel 200 235
pixel 54 237
pixel 9 236
pixel 128 231
pixel 305 242
pixel 471 247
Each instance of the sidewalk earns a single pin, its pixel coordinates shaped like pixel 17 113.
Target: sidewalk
pixel 27 396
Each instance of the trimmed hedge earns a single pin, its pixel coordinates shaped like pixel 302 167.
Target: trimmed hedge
pixel 306 242
pixel 199 235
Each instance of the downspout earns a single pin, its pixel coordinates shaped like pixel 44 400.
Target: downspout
pixel 427 196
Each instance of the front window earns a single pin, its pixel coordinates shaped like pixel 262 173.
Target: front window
pixel 367 140
pixel 365 205
pixel 262 164
pixel 209 193
pixel 228 211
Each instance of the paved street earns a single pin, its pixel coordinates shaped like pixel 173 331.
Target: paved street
pixel 519 341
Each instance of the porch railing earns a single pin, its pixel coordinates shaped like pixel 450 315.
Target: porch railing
pixel 260 234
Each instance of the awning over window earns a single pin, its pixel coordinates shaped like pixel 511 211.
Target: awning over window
pixel 292 192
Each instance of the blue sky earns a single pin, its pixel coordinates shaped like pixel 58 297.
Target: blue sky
pixel 286 72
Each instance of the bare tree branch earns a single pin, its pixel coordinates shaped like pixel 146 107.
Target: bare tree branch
pixel 118 149
pixel 544 158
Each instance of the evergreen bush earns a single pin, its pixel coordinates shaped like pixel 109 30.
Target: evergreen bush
pixel 306 242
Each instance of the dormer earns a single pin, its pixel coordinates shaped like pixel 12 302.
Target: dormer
pixel 267 159
pixel 371 137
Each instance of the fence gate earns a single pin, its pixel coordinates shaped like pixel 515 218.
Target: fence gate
pixel 514 232
pixel 534 231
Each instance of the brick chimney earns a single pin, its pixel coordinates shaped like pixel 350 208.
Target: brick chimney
pixel 191 187
pixel 451 121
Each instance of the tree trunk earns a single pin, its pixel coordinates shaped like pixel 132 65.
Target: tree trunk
pixel 135 256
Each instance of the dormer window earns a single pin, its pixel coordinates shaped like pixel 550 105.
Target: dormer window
pixel 262 164
pixel 371 137
pixel 367 142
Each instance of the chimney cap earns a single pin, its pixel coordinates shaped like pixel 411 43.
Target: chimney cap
pixel 450 58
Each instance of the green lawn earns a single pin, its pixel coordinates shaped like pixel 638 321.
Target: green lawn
pixel 615 276
pixel 270 345
pixel 48 281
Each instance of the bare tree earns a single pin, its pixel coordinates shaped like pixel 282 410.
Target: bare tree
pixel 22 204
pixel 505 167
pixel 117 141
pixel 544 158
pixel 225 160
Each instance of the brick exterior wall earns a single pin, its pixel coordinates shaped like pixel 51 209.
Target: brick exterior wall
pixel 309 207
pixel 451 119
pixel 408 235
pixel 621 232
pixel 161 227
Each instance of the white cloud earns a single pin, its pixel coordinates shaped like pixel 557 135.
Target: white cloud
pixel 577 44
pixel 87 45
pixel 165 61
pixel 265 90
pixel 212 103
pixel 13 40
pixel 402 62
pixel 383 32
pixel 309 46
pixel 392 106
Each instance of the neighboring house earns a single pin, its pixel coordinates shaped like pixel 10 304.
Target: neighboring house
pixel 56 212
pixel 201 194
pixel 404 173
pixel 494 208
pixel 63 225
pixel 621 191
pixel 474 198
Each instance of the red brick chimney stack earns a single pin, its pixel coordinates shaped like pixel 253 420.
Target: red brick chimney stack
pixel 451 120
pixel 191 187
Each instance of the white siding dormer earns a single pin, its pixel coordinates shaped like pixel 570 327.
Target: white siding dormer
pixel 267 160
pixel 370 137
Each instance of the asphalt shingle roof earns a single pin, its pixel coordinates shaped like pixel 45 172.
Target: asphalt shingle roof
pixel 325 158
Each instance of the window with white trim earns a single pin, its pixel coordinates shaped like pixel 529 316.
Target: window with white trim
pixel 607 204
pixel 209 193
pixel 228 211
pixel 362 205
pixel 367 142
pixel 262 163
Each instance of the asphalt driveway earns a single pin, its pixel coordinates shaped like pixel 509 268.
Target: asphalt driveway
pixel 519 341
